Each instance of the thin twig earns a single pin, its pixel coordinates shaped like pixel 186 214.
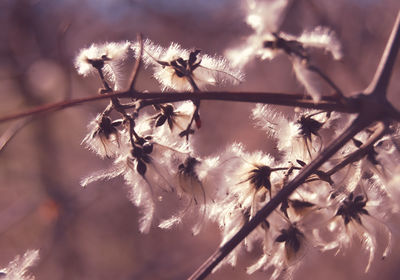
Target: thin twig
pixel 196 103
pixel 361 151
pixel 136 68
pixel 12 130
pixel 107 87
pixel 326 79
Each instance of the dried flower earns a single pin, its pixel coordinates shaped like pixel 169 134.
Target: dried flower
pixel 105 57
pixel 104 137
pixel 298 139
pixel 356 218
pixel 182 70
pixel 284 254
pixel 264 18
pixel 195 187
pixel 266 43
pixel 176 118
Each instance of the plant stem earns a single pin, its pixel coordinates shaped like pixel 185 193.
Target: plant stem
pixel 360 152
pixel 136 68
pixel 380 82
pixel 284 99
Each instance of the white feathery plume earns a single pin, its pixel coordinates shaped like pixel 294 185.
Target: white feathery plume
pixel 264 17
pixel 17 269
pixel 103 138
pixel 174 67
pixel 322 38
pixel 309 79
pixel 107 57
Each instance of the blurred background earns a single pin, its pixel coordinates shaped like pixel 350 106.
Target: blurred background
pixel 92 233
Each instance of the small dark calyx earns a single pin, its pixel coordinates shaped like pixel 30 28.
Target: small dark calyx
pixel 141 154
pixel 188 167
pixel 291 237
pixel 309 126
pixel 260 177
pixel 184 67
pixel 107 127
pixel 167 114
pixel 98 63
pixel 290 47
pixel 297 205
pixel 352 208
pixel 371 153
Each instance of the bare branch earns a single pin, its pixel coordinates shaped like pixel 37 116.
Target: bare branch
pixel 296 100
pixel 328 80
pixel 360 152
pixel 380 82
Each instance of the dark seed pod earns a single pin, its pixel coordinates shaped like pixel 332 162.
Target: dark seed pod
pixel 186 132
pixel 140 141
pixel 147 147
pixel 324 177
pixel 294 243
pixel 281 238
pixel 197 121
pixel 292 239
pixel 137 152
pixel 309 126
pixel 96 63
pixel 163 63
pixel 284 207
pixel 182 62
pixel 265 225
pixel 302 163
pixel 141 167
pixel 174 64
pixel 357 143
pixel 168 110
pixel 193 56
pixel 269 44
pixel 353 209
pixel 179 73
pixel 260 177
pixel 161 120
pixel 299 204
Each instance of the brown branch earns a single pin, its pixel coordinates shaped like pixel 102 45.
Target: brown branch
pixel 362 151
pixel 207 267
pixel 136 68
pixel 328 80
pixel 380 82
pixel 327 103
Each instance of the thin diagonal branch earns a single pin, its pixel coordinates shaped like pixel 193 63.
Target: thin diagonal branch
pixel 204 270
pixel 360 152
pixel 12 131
pixel 136 68
pixel 380 82
pixel 328 80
